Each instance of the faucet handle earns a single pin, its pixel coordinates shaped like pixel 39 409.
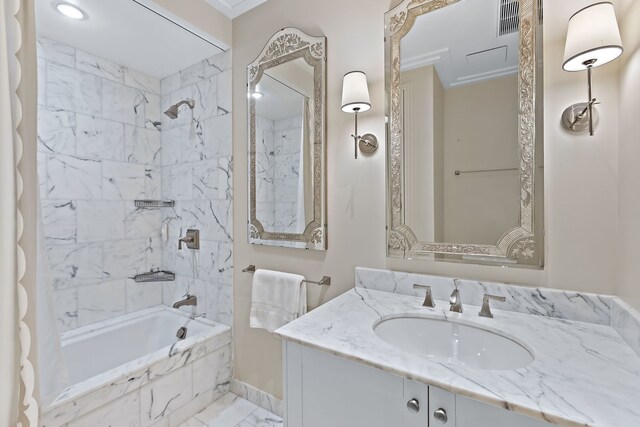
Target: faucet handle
pixel 428 298
pixel 485 311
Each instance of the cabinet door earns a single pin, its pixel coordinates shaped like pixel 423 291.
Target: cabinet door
pixel 340 393
pixel 471 413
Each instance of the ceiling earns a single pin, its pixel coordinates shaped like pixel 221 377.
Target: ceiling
pixel 234 8
pixel 125 32
pixel 462 42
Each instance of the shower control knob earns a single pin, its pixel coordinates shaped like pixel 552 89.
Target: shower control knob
pixel 413 406
pixel 441 415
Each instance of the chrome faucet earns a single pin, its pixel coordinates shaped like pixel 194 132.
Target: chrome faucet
pixel 188 300
pixel 428 298
pixel 486 308
pixel 191 239
pixel 455 301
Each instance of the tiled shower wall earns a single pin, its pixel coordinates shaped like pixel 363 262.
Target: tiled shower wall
pixel 277 173
pixel 100 148
pixel 196 173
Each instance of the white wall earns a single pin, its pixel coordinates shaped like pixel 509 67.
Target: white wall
pixel 629 154
pixel 581 184
pixel 481 132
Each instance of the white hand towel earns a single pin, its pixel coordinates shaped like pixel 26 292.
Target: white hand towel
pixel 276 299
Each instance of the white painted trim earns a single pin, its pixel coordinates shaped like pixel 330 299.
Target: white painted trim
pixel 235 11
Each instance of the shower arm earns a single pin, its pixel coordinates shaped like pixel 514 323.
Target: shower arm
pixel 189 102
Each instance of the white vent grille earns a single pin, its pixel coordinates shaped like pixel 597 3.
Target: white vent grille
pixel 509 17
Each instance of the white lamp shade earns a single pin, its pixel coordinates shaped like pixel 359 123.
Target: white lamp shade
pixel 355 93
pixel 593 34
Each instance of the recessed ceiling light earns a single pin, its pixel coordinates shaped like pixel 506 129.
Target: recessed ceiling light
pixel 257 95
pixel 70 11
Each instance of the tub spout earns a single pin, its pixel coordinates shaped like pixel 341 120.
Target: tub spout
pixel 188 300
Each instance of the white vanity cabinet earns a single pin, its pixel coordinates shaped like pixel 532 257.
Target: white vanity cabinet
pixel 323 390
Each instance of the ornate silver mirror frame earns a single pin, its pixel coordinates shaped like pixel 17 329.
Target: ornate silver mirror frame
pixel 522 245
pixel 290 44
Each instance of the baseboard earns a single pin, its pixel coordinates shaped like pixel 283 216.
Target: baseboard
pixel 259 397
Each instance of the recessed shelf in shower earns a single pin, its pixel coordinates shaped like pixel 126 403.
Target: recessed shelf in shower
pixel 155 203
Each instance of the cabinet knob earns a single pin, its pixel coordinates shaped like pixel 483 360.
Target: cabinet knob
pixel 413 406
pixel 441 415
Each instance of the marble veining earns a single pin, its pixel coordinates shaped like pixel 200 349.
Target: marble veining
pixel 580 306
pixel 161 383
pixel 197 173
pixel 234 411
pixel 96 154
pixel 264 400
pixel 584 374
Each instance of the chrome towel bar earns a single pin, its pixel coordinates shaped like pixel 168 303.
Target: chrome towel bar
pixel 325 281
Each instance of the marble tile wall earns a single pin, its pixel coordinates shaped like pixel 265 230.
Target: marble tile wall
pixel 103 142
pixel 162 392
pixel 99 148
pixel 196 172
pixel 277 176
pixel 258 397
pixel 569 305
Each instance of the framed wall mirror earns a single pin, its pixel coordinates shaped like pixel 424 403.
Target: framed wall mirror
pixel 286 105
pixel 464 108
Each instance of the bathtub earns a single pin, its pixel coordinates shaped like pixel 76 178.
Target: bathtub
pixel 134 370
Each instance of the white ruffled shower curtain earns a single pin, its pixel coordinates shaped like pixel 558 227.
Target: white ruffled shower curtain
pixel 18 183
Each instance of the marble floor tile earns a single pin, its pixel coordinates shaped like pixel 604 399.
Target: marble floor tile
pixel 231 411
pixel 261 418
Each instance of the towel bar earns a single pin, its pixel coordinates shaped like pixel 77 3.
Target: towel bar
pixel 326 281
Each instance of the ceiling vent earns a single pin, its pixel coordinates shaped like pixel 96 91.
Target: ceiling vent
pixel 509 21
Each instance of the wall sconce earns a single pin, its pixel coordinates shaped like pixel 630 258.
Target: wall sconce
pixel 593 39
pixel 355 99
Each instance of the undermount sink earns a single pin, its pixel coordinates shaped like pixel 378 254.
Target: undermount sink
pixel 455 343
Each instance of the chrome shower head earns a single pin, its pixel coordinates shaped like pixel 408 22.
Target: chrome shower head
pixel 172 112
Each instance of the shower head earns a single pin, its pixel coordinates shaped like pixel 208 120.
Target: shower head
pixel 172 112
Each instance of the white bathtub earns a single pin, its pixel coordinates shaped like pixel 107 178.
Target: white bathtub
pixel 125 339
pixel 128 354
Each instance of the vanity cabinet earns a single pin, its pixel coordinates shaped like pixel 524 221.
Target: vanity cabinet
pixel 325 390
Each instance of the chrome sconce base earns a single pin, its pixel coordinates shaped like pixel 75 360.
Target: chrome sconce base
pixel 368 144
pixel 576 117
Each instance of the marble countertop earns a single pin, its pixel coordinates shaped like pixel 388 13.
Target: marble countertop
pixel 584 374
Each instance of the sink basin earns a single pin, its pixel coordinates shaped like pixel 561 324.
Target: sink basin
pixel 455 343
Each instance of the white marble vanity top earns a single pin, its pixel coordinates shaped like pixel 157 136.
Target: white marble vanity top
pixel 584 374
